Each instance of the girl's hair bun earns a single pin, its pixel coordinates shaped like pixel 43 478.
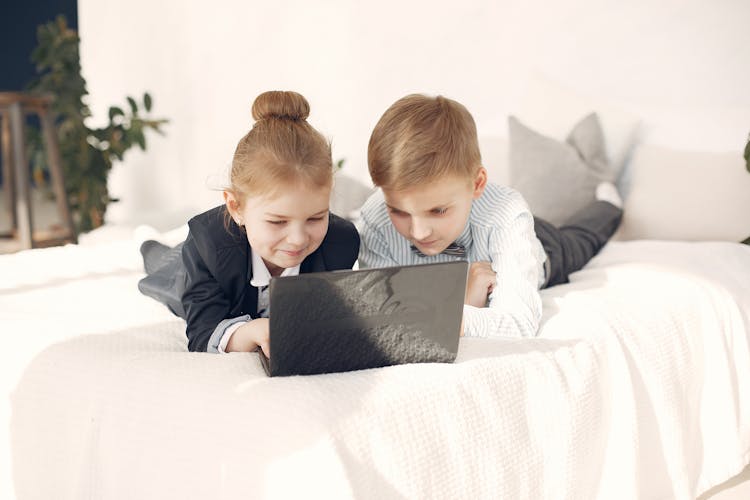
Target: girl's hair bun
pixel 281 105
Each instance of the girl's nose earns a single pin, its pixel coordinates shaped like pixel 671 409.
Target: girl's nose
pixel 297 236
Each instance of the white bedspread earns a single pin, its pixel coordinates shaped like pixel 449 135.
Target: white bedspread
pixel 637 387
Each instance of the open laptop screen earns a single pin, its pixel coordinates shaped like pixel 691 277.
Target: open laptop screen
pixel 351 320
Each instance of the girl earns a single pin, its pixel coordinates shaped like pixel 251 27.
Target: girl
pixel 275 222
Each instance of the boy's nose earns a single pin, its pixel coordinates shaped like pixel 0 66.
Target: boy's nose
pixel 420 229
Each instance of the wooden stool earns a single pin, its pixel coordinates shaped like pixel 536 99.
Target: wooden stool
pixel 14 106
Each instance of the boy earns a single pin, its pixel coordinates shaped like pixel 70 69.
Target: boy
pixel 435 205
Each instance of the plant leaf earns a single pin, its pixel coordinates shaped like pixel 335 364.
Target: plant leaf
pixel 747 154
pixel 147 101
pixel 133 104
pixel 115 111
pixel 140 139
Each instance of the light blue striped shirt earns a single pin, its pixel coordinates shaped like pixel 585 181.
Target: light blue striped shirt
pixel 500 230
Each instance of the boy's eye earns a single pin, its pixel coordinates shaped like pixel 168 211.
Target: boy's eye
pixel 439 211
pixel 315 219
pixel 396 212
pixel 276 222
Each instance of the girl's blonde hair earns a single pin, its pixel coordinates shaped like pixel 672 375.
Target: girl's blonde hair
pixel 420 139
pixel 280 149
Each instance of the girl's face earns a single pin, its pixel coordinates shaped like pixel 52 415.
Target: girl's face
pixel 286 227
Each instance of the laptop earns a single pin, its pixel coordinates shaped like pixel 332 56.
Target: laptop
pixel 339 321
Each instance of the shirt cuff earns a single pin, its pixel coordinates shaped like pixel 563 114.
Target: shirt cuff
pixel 228 335
pixel 472 322
pixel 217 337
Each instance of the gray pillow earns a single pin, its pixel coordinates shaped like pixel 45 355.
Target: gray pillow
pixel 557 179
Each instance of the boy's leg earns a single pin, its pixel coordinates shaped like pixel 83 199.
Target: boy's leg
pixel 166 274
pixel 571 246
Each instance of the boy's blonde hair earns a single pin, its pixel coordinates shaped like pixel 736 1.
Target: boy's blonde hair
pixel 280 149
pixel 420 139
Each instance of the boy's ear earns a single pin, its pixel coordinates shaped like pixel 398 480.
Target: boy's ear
pixel 233 207
pixel 480 182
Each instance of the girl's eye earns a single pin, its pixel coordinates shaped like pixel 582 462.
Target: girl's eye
pixel 276 222
pixel 315 219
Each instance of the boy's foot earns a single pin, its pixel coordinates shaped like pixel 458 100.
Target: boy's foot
pixel 606 191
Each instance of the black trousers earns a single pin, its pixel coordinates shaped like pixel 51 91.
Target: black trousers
pixel 570 246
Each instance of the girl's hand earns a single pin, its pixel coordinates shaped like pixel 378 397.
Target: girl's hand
pixel 250 336
pixel 479 284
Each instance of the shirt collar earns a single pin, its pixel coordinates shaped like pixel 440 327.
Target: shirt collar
pixel 261 276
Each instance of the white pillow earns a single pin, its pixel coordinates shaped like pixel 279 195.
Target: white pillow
pixel 348 195
pixel 683 195
pixel 550 108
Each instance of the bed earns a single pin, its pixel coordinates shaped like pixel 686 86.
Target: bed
pixel 638 386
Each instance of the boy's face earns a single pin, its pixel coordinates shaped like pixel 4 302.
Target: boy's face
pixel 432 216
pixel 284 228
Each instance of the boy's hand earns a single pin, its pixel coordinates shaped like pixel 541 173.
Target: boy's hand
pixel 479 284
pixel 250 336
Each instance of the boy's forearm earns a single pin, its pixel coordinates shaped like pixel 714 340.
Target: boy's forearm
pixel 489 322
pixel 514 308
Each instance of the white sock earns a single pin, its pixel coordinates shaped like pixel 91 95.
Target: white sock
pixel 606 191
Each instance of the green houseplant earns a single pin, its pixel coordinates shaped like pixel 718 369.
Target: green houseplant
pixel 87 153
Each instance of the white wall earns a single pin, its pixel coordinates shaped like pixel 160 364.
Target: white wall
pixel 682 66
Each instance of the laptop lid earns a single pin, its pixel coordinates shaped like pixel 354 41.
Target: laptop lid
pixel 351 320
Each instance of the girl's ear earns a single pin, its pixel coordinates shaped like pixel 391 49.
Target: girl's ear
pixel 479 183
pixel 233 207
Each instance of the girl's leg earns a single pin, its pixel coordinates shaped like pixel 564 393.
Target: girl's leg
pixel 572 245
pixel 165 275
pixel 155 254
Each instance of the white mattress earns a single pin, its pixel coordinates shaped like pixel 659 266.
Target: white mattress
pixel 637 387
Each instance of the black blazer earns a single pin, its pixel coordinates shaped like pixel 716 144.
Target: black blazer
pixel 219 269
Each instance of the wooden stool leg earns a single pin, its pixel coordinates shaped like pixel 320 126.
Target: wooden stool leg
pixel 8 180
pixel 55 164
pixel 21 175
